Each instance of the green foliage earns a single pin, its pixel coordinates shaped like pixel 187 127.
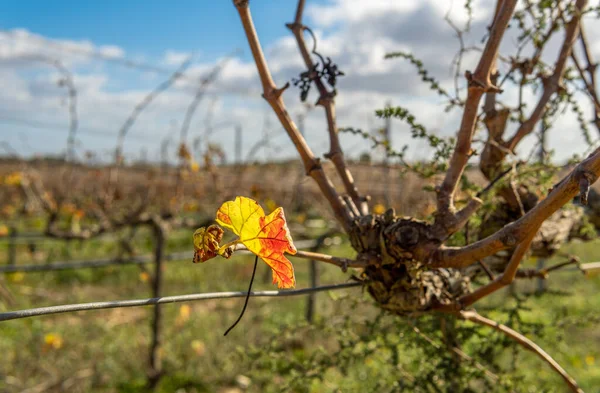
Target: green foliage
pixel 386 353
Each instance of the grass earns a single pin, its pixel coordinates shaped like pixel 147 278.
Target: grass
pixel 106 351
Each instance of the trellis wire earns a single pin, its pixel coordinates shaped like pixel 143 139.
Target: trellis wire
pixel 32 312
pixel 100 263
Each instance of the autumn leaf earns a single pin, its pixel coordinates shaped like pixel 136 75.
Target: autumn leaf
pixel 206 243
pixel 266 236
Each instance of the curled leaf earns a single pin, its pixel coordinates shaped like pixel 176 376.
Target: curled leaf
pixel 266 236
pixel 206 243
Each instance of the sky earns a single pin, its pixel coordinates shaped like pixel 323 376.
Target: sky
pixel 118 52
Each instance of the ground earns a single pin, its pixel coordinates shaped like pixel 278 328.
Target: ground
pixel 106 351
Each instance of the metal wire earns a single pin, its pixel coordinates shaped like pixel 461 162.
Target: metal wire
pixel 33 312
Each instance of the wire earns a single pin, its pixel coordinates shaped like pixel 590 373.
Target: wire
pixel 100 263
pixel 34 312
pixel 90 264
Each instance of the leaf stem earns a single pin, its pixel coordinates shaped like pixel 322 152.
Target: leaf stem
pixel 247 297
pixel 227 245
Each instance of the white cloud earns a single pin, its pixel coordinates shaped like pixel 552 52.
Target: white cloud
pixel 175 58
pixel 356 35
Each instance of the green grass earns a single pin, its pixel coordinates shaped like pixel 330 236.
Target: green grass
pixel 107 350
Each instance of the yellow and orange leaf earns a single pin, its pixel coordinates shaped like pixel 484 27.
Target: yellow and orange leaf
pixel 266 236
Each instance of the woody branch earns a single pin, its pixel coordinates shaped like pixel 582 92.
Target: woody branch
pixel 273 96
pixel 327 101
pixel 478 83
pixel 577 182
pixel 552 83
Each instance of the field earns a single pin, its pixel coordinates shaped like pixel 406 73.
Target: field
pixel 107 351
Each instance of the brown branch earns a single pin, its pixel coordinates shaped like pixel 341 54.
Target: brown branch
pixel 273 96
pixel 343 263
pixel 545 272
pixel 552 83
pixel 504 279
pixel 487 270
pixel 478 83
pixel 327 101
pixel 473 316
pixel 514 233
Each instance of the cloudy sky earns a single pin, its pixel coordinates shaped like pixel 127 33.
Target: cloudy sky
pixel 119 51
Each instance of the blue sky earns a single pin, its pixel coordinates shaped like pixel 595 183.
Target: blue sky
pixel 356 34
pixel 148 28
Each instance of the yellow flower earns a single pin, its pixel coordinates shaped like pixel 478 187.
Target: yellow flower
pixel 589 360
pixel 379 209
pixel 53 341
pixel 198 346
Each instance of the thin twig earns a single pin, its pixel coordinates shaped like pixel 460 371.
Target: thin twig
pixel 551 84
pixel 200 91
pixel 498 178
pixel 344 263
pixel 473 316
pixel 327 101
pixel 145 102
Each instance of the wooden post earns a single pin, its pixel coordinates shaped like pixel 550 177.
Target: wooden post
pixel 541 282
pixel 299 188
pixel 388 179
pixel 155 371
pixel 12 246
pixel 311 301
pixel 238 144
